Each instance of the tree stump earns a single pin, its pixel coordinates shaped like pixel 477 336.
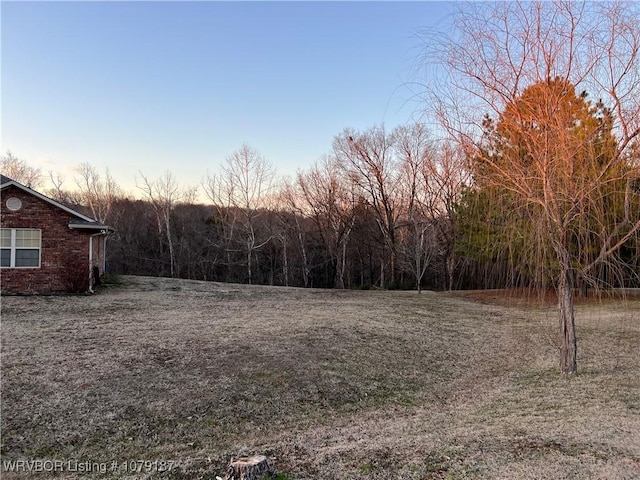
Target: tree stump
pixel 249 468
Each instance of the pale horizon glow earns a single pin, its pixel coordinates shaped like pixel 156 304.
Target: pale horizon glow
pixel 179 86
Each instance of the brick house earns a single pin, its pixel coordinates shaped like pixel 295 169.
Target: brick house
pixel 46 246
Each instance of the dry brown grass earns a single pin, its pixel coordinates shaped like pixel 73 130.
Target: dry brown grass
pixel 328 384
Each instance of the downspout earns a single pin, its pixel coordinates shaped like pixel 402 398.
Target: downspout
pixel 104 252
pixel 91 263
pixel 91 260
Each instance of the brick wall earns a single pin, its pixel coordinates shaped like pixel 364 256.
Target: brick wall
pixel 64 252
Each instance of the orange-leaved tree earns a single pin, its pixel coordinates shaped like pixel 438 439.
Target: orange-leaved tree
pixel 508 94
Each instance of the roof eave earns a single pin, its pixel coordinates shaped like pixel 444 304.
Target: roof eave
pixel 84 226
pixel 46 199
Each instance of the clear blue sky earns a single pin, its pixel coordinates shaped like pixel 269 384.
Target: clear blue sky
pixel 152 86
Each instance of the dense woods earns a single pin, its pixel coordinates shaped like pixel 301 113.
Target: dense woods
pixel 382 210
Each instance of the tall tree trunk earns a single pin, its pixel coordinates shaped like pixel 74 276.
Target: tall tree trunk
pixel 341 262
pixel 251 243
pixel 303 250
pixel 285 262
pixel 338 281
pixel 228 265
pixel 170 241
pixel 450 270
pixel 568 340
pixel 419 272
pixel 392 280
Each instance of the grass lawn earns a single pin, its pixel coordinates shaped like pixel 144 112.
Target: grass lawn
pixel 327 384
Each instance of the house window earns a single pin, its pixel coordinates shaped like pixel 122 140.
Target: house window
pixel 20 247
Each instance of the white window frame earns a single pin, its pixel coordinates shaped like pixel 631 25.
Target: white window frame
pixel 13 247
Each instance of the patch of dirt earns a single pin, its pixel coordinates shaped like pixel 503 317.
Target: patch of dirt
pixel 534 298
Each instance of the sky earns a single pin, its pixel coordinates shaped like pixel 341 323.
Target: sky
pixel 155 86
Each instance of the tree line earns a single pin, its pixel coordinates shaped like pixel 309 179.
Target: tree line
pixel 375 212
pixel 383 209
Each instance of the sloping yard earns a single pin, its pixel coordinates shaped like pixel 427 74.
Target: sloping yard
pixel 183 375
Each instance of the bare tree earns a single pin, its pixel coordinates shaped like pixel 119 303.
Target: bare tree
pixel 292 202
pixel 56 191
pixel 414 151
pixel 446 177
pixel 368 160
pixel 507 93
pixel 331 202
pixel 98 193
pixel 163 194
pixel 247 180
pixel 19 170
pixel 217 190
